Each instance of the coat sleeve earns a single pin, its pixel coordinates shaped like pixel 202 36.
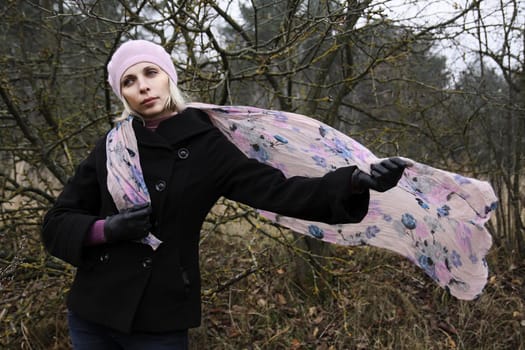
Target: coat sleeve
pixel 324 199
pixel 66 224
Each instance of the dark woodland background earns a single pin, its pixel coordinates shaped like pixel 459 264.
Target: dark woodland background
pixel 446 89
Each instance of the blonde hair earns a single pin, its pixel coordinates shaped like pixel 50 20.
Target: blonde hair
pixel 176 103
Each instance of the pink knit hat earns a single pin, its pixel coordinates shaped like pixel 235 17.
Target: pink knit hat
pixel 133 52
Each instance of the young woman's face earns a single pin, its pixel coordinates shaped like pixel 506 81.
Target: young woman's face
pixel 146 89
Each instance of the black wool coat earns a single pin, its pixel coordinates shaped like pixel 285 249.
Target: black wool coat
pixel 188 164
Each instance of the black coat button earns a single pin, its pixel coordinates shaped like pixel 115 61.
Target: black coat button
pixel 183 153
pixel 146 263
pixel 104 257
pixel 160 185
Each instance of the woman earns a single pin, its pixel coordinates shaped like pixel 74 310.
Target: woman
pixel 131 295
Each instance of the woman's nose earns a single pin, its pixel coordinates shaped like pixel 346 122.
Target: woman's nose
pixel 143 85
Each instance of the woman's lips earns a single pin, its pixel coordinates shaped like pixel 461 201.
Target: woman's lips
pixel 149 101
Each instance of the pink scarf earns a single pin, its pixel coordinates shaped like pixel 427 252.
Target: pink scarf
pixel 432 217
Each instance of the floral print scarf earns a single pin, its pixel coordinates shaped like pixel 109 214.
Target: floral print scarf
pixel 432 217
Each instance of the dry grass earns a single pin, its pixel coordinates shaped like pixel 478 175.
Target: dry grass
pixel 261 291
pixel 356 298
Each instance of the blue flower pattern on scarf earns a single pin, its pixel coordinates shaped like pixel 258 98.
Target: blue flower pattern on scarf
pixel 433 231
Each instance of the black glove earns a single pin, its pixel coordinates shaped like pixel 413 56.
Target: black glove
pixel 130 224
pixel 383 176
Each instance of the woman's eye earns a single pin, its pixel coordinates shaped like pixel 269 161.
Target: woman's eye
pixel 127 82
pixel 151 72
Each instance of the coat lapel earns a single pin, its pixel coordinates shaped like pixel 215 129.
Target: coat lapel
pixel 172 131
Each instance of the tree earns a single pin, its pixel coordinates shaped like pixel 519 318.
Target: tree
pixel 492 86
pixel 352 64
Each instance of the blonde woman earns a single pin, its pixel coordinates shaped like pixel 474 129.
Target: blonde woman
pixel 130 217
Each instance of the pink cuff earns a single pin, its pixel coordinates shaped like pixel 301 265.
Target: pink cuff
pixel 96 234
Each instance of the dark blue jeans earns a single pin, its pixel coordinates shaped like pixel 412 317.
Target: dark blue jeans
pixel 86 335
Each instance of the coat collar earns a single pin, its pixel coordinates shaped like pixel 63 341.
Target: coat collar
pixel 173 130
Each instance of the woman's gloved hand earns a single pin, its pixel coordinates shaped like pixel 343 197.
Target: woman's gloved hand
pixel 383 176
pixel 130 224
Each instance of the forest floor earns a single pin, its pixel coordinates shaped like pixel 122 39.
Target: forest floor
pixel 354 298
pixel 260 291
